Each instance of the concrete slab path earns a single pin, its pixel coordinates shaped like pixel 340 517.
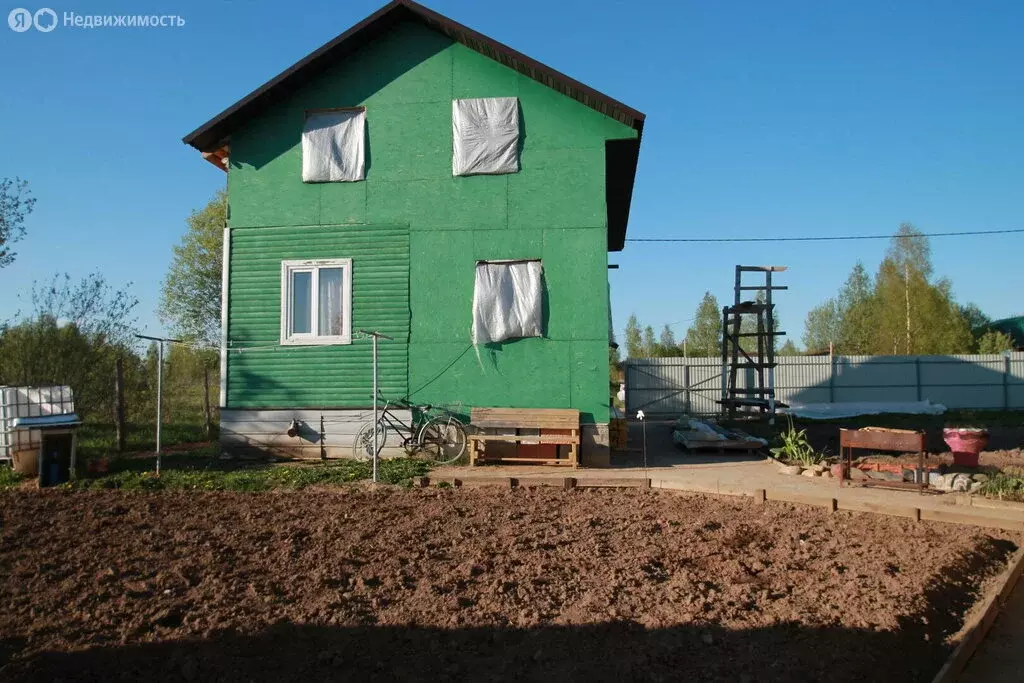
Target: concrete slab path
pixel 741 474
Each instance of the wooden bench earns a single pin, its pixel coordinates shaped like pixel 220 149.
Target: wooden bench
pixel 551 426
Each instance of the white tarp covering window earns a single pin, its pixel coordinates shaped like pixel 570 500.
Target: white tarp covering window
pixel 333 145
pixel 507 301
pixel 486 135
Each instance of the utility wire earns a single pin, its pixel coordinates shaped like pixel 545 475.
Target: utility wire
pixel 820 238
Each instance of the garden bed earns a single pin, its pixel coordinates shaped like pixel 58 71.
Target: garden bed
pixel 361 583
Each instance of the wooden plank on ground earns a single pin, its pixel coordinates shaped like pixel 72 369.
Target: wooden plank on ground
pixel 501 482
pixel 619 482
pixel 817 500
pixel 854 505
pixel 976 633
pixel 958 517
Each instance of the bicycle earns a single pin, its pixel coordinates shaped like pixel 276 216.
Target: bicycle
pixel 435 432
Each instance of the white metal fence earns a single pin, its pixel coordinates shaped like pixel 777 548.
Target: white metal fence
pixel 693 385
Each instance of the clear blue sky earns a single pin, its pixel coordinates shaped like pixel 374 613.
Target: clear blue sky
pixel 780 118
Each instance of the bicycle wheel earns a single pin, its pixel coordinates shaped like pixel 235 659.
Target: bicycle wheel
pixel 443 440
pixel 362 446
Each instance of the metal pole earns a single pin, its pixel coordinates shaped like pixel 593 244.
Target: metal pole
pixel 159 399
pixel 640 416
pixel 375 448
pixel 159 386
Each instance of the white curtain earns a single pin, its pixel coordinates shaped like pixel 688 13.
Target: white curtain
pixel 507 301
pixel 333 146
pixel 330 315
pixel 485 132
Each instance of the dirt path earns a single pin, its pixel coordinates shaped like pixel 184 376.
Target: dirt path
pixel 481 585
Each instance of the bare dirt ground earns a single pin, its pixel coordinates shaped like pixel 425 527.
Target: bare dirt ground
pixel 434 584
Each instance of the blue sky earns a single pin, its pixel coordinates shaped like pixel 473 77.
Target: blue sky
pixel 781 118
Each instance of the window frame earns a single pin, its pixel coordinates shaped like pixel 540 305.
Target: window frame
pixel 290 266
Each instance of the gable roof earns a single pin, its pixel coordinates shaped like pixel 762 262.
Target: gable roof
pixel 621 155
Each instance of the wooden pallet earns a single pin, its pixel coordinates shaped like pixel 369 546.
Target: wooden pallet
pixel 556 427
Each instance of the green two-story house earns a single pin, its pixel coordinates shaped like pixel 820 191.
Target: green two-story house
pixel 419 179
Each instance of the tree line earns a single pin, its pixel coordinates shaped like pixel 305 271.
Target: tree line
pixel 901 310
pixel 703 338
pixel 75 332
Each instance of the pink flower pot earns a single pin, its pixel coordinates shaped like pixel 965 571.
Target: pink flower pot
pixel 966 444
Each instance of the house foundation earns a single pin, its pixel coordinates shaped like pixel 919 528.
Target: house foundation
pixel 331 433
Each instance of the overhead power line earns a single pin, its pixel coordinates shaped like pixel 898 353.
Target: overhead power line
pixel 820 238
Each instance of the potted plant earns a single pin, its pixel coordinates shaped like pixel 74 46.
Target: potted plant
pixel 966 443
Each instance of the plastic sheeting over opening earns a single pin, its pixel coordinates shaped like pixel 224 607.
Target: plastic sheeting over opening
pixel 486 135
pixel 827 411
pixel 333 146
pixel 507 301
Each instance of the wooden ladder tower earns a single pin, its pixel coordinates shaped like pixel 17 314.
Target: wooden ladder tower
pixel 760 310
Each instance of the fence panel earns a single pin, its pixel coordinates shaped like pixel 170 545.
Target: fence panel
pixel 694 385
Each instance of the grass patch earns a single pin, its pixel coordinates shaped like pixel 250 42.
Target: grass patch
pixel 99 440
pixel 192 475
pixel 1004 487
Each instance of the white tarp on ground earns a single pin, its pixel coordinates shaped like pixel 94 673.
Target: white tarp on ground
pixel 507 301
pixel 827 411
pixel 333 145
pixel 485 132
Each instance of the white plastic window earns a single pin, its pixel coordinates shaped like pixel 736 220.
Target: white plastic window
pixel 485 134
pixel 333 146
pixel 316 302
pixel 507 301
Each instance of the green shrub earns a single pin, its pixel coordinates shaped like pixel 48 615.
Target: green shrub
pixel 795 448
pixel 9 478
pixel 1004 486
pixel 187 474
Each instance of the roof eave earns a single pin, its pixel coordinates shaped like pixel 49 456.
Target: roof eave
pixel 215 132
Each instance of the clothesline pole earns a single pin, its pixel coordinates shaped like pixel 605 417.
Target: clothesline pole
pixel 376 448
pixel 159 386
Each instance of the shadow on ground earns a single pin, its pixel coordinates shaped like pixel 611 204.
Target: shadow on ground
pixel 662 452
pixel 616 651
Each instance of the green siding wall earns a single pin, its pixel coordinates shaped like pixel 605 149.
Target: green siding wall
pixel 554 208
pixel 264 374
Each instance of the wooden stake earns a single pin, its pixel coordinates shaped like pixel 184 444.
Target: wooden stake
pixel 206 401
pixel 119 402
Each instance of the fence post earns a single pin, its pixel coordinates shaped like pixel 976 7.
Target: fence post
pixel 1006 381
pixel 917 375
pixel 119 402
pixel 831 375
pixel 206 400
pixel 686 385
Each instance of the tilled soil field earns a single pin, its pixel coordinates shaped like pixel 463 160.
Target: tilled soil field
pixel 483 584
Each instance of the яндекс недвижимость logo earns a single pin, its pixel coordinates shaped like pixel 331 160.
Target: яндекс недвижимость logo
pixel 21 20
pixel 45 20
